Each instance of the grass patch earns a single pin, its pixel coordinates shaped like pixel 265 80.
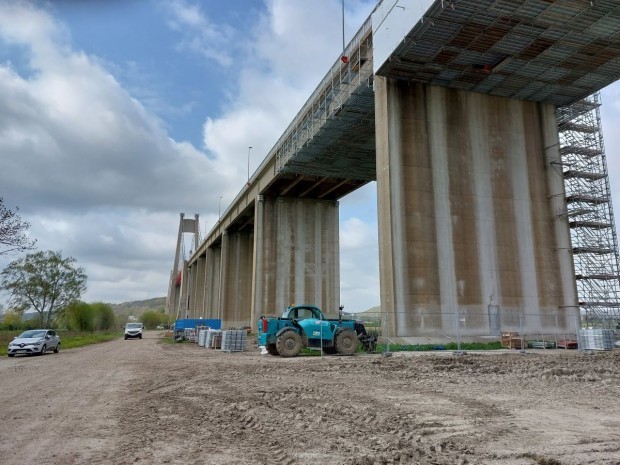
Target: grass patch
pixel 310 352
pixel 68 339
pixel 496 345
pixel 168 340
pixel 73 339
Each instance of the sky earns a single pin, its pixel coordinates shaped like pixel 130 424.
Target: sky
pixel 117 115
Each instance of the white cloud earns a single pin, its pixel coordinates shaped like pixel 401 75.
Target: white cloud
pixel 94 172
pixel 200 34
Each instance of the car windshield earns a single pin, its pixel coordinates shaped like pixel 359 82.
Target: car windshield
pixel 134 325
pixel 31 334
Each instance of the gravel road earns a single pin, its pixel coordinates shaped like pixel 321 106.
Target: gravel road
pixel 141 401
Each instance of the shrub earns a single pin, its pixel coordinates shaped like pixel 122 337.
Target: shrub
pixel 104 316
pixel 80 316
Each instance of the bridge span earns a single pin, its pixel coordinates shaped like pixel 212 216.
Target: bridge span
pixel 451 106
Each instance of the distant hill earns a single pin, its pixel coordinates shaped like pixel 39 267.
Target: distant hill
pixel 371 312
pixel 137 307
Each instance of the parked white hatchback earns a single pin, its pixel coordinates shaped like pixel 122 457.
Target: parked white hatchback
pixel 34 341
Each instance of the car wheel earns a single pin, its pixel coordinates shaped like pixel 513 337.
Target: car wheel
pixel 11 355
pixel 125 337
pixel 140 336
pixel 57 349
pixel 43 349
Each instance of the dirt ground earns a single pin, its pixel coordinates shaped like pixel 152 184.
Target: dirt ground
pixel 141 401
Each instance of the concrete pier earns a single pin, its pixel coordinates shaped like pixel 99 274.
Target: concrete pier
pixel 297 256
pixel 469 216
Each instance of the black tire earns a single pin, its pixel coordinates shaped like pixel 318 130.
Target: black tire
pixel 289 344
pixel 11 355
pixel 346 342
pixel 57 349
pixel 140 336
pixel 125 337
pixel 272 349
pixel 43 349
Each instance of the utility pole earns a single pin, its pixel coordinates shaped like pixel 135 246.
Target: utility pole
pixel 249 150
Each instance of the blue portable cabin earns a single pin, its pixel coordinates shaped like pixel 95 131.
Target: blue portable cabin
pixel 192 323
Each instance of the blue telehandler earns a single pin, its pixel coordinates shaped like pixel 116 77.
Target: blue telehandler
pixel 303 326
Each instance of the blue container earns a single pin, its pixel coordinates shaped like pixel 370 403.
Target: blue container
pixel 192 323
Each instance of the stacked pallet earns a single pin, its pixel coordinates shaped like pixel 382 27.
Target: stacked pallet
pixel 234 340
pixel 540 344
pixel 213 339
pixel 511 340
pixel 202 337
pixel 190 334
pixel 567 344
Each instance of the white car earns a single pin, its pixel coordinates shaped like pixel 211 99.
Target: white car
pixel 34 341
pixel 133 330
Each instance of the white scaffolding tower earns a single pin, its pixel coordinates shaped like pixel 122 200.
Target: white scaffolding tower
pixel 589 212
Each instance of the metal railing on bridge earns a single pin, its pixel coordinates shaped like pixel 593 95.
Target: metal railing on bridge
pixel 327 101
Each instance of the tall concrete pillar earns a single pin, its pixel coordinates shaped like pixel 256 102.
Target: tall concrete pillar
pixel 212 282
pixel 200 286
pixel 237 279
pixel 184 291
pixel 469 213
pixel 222 294
pixel 296 255
pixel 257 262
pixel 193 290
pixel 175 301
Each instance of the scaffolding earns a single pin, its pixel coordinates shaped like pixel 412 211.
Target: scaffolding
pixel 589 212
pixel 343 103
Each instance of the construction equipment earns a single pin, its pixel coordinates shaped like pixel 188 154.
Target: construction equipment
pixel 304 326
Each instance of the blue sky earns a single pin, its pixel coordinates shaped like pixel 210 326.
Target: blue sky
pixel 117 115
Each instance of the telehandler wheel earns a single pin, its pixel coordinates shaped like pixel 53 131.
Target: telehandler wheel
pixel 288 344
pixel 346 342
pixel 272 349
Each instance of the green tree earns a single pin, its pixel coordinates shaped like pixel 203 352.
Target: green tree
pixel 104 316
pixel 13 237
pixel 81 316
pixel 45 282
pixel 11 320
pixel 151 319
pixel 89 317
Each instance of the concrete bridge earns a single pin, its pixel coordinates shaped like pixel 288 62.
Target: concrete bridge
pixel 451 107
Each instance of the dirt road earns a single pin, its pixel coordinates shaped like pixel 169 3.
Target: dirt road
pixel 145 402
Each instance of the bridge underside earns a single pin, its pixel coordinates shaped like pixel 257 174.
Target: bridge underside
pixel 554 51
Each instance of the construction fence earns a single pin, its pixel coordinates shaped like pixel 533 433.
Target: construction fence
pixel 510 330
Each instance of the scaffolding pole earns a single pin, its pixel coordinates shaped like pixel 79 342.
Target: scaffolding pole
pixel 589 212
